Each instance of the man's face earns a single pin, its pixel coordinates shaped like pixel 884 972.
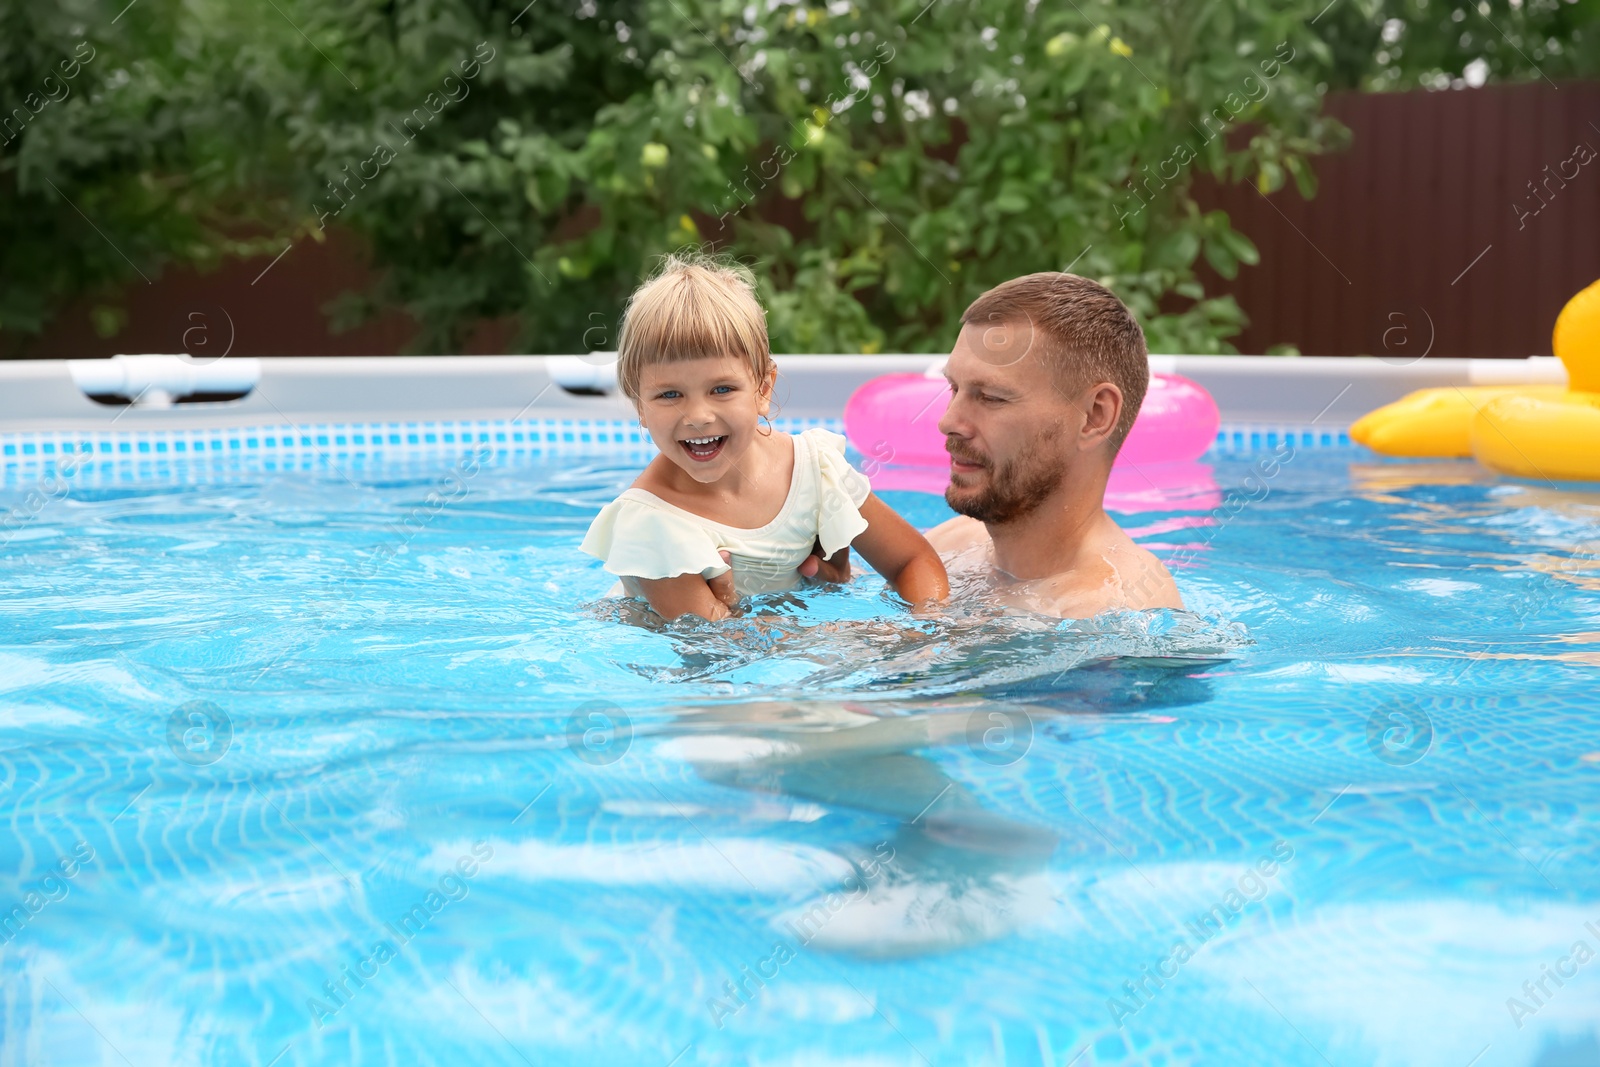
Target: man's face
pixel 1011 433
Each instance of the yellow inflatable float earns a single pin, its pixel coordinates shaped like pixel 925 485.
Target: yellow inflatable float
pixel 1530 431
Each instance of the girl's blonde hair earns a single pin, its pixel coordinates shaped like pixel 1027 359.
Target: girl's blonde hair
pixel 693 307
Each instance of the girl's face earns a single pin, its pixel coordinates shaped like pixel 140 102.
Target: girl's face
pixel 703 413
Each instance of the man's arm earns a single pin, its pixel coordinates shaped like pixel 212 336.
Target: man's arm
pixel 835 570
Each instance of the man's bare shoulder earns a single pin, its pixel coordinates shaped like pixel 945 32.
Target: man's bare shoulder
pixel 957 534
pixel 1112 572
pixel 1123 577
pixel 1128 577
pixel 1147 583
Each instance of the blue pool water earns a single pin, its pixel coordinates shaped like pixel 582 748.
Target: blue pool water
pixel 314 767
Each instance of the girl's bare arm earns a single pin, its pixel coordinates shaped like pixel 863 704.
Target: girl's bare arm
pixel 687 594
pixel 902 555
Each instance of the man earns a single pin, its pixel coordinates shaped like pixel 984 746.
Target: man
pixel 1046 378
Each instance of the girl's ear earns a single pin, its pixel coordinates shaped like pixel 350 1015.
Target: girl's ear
pixel 764 389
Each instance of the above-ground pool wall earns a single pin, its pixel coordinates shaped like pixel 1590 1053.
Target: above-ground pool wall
pixel 54 395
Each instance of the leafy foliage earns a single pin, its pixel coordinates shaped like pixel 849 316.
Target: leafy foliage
pixel 880 165
pixel 110 165
pixel 1436 44
pixel 936 150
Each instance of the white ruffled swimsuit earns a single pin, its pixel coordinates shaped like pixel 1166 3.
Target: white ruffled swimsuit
pixel 639 535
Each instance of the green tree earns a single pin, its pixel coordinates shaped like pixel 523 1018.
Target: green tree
pixel 124 146
pixel 1435 44
pixel 880 165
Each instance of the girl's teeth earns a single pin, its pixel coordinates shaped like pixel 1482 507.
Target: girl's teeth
pixel 703 448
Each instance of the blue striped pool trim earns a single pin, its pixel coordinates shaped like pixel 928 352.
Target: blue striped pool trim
pixel 346 439
pixel 554 436
pixel 1251 437
pixel 136 454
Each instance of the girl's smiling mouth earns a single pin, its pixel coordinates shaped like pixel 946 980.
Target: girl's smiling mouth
pixel 704 449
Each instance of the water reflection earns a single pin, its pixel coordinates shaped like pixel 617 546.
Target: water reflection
pixel 951 871
pixel 863 713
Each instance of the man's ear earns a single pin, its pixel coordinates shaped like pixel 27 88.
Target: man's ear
pixel 1102 407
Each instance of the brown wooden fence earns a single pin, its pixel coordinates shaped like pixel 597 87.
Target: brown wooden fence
pixel 1469 215
pixel 1457 223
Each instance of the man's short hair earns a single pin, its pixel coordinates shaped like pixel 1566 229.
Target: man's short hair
pixel 1081 331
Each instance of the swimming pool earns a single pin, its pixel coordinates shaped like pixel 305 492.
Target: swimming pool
pixel 320 759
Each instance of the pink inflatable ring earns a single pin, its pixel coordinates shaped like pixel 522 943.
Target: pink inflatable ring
pixel 895 419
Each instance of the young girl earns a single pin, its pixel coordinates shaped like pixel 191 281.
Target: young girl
pixel 693 358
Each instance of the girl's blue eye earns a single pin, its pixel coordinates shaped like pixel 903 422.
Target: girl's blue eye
pixel 723 389
pixel 670 394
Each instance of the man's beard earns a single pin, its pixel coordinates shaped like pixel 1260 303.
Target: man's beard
pixel 1014 489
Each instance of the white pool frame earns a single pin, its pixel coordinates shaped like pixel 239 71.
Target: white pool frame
pixel 427 403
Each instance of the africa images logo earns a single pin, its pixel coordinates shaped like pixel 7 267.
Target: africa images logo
pixel 1249 888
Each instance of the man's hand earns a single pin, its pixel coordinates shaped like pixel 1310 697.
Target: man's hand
pixel 814 568
pixel 722 584
pixel 818 569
